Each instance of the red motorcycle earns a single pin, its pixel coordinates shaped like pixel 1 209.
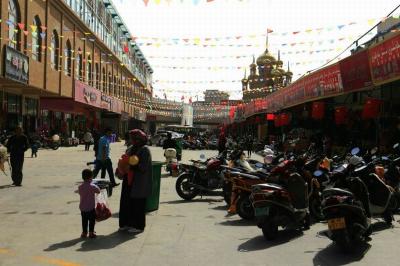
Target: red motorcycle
pixel 200 177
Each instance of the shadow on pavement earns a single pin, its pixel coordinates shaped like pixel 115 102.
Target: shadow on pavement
pixel 220 208
pixel 238 222
pixel 259 242
pixel 106 242
pixel 6 186
pixel 189 201
pixel 101 242
pixel 380 226
pixel 65 244
pixel 333 255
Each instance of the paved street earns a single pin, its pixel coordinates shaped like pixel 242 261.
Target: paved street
pixel 40 225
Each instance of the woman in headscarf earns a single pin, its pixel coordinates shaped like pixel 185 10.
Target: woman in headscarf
pixel 137 183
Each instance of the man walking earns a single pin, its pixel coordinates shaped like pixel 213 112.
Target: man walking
pixel 16 146
pixel 103 160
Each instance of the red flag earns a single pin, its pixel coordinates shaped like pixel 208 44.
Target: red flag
pixel 318 110
pixel 340 115
pixel 269 30
pixel 372 108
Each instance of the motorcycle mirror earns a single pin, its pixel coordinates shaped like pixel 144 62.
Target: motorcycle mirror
pixel 318 173
pixel 374 150
pixel 259 165
pixel 355 151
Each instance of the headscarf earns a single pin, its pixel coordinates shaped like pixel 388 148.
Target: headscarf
pixel 138 138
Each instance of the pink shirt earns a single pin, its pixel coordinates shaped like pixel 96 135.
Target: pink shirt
pixel 87 192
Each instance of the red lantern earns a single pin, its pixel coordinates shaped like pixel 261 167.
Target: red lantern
pixel 318 110
pixel 340 115
pixel 372 108
pixel 285 119
pixel 277 121
pixel 232 112
pixel 270 117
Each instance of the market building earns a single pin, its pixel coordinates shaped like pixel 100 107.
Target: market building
pixel 352 102
pixel 69 65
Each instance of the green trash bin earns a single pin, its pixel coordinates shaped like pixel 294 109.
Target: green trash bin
pixel 153 200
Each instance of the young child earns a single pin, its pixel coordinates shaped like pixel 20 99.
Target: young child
pixel 87 193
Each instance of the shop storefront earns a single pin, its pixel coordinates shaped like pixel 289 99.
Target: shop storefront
pixel 72 116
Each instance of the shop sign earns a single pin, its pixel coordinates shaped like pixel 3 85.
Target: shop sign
pixel 355 71
pixel 86 94
pixel 322 83
pixel 124 116
pixel 294 93
pixel 16 65
pixel 116 106
pixel 106 102
pixel 385 60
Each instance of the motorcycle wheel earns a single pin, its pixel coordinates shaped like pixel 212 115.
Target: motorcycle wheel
pixel 184 189
pixel 388 217
pixel 55 146
pixel 244 208
pixel 315 209
pixel 227 191
pixel 270 230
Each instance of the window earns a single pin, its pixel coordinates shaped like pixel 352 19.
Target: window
pixel 96 76
pixel 54 50
pixel 13 18
pixel 78 72
pixel 89 71
pixel 104 81
pixel 109 83
pixel 67 58
pixel 115 91
pixel 37 40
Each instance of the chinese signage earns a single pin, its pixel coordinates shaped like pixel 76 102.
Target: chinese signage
pixel 86 94
pixel 106 102
pixel 355 71
pixel 16 65
pixel 324 82
pixel 385 61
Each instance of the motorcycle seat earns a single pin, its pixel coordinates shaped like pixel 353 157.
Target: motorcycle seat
pixel 245 175
pixel 336 191
pixel 268 186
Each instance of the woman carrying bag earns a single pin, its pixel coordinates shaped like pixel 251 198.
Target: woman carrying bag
pixel 135 167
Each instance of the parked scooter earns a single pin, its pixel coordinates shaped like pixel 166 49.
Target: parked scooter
pixel 284 205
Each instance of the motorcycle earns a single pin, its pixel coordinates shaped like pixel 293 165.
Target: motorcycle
pixel 284 205
pixel 200 177
pixel 53 142
pixel 171 162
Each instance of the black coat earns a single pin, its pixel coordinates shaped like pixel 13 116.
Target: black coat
pixel 142 173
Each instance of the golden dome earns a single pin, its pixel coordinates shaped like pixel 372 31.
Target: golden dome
pixel 266 59
pixel 276 73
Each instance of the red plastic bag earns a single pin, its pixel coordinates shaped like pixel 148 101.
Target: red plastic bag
pixel 103 212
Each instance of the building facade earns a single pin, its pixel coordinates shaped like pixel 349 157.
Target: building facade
pixel 266 77
pixel 215 96
pixel 69 65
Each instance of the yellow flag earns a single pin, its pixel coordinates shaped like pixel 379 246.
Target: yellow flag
pixel 196 41
pixel 371 22
pixel 34 28
pixel 157 2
